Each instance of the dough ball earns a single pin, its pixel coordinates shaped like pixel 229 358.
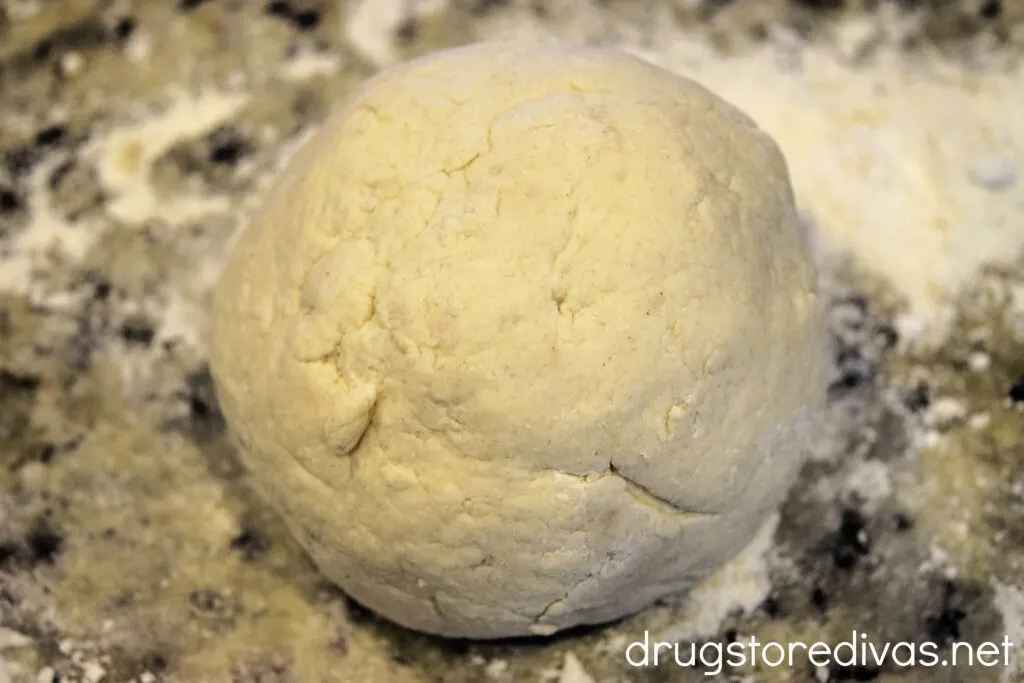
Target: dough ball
pixel 525 338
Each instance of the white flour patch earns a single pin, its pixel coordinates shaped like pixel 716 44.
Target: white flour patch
pixel 573 671
pixel 183 321
pixel 944 411
pixel 140 47
pixel 310 65
pixel 10 639
pixel 125 156
pixel 871 480
pixel 48 235
pixel 371 25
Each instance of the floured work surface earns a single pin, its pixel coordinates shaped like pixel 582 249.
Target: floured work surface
pixel 136 138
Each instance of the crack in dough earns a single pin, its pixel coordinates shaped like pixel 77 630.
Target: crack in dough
pixel 646 496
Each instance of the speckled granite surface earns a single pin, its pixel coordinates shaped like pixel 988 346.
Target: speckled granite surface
pixel 135 136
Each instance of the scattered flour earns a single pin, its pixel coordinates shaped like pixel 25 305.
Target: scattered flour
pixel 46 236
pixel 944 411
pixel 573 671
pixel 93 672
pixel 371 25
pixel 979 361
pixel 12 639
pixel 139 47
pixel 496 668
pixel 871 480
pixel 979 421
pixel 124 158
pixel 310 65
pixel 71 63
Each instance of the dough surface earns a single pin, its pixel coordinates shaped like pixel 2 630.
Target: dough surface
pixel 526 337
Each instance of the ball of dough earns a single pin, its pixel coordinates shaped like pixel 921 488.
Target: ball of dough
pixel 526 337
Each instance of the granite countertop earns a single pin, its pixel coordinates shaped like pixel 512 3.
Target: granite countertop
pixel 135 137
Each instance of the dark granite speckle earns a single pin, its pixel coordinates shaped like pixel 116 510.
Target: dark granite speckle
pixel 1016 392
pixel 301 18
pixel 9 200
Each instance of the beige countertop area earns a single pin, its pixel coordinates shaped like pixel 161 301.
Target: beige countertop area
pixel 135 138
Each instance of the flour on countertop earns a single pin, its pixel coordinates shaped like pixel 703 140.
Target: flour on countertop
pixel 46 235
pixel 309 65
pixel 371 25
pixel 573 671
pixel 124 157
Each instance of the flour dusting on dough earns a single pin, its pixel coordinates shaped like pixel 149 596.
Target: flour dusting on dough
pixel 741 585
